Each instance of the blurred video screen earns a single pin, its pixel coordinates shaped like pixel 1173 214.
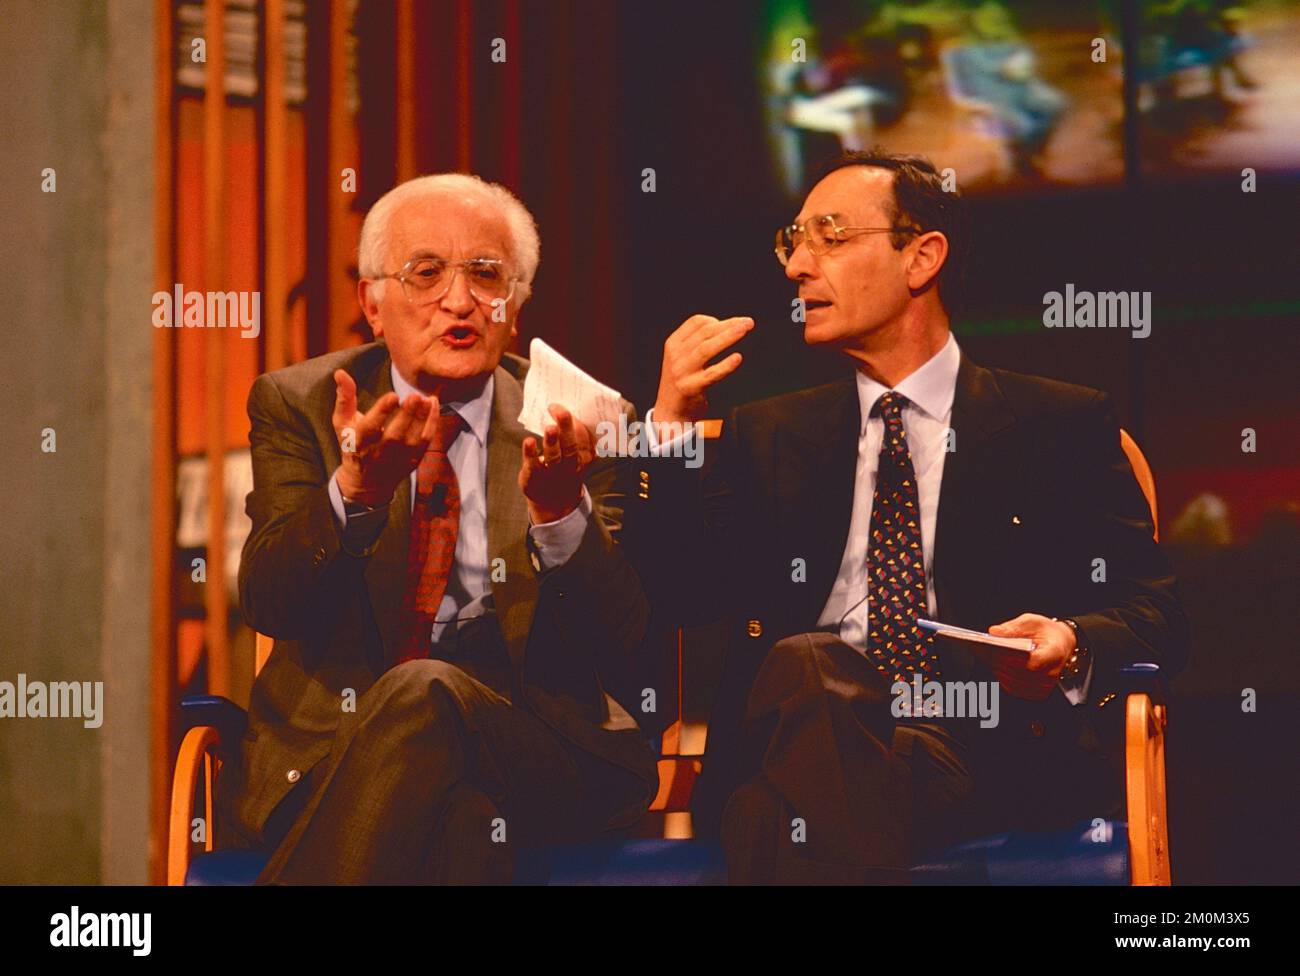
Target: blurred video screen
pixel 1218 85
pixel 1019 94
pixel 1008 94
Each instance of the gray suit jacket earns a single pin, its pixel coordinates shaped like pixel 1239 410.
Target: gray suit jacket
pixel 335 614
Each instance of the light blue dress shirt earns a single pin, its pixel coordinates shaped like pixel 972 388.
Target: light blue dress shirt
pixel 469 589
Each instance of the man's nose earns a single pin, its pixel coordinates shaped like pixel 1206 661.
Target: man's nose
pixel 800 264
pixel 458 300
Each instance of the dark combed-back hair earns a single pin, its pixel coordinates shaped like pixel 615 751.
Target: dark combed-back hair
pixel 921 202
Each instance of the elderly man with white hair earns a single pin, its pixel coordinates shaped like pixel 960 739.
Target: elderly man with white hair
pixel 445 591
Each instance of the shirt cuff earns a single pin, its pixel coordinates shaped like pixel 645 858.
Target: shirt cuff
pixel 336 499
pixel 1076 690
pixel 557 541
pixel 652 437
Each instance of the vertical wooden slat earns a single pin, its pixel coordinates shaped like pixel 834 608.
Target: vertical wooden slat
pixel 341 240
pixel 275 115
pixel 317 179
pixel 214 268
pixel 404 38
pixel 464 85
pixel 162 527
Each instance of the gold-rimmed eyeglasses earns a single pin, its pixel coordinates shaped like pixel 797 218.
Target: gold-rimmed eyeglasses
pixel 821 233
pixel 426 279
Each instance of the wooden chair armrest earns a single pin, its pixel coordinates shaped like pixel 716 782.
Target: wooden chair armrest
pixel 196 754
pixel 1144 776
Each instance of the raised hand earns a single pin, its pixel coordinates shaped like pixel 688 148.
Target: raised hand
pixel 687 374
pixel 381 446
pixel 550 474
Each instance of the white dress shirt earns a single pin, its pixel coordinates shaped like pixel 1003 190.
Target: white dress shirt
pixel 470 584
pixel 926 418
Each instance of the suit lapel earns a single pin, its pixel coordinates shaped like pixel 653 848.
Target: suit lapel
pixel 816 463
pixel 979 411
pixel 515 597
pixel 385 572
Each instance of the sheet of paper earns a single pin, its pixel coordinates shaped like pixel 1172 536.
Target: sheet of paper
pixel 977 636
pixel 553 379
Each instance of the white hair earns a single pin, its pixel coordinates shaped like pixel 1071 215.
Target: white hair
pixel 525 245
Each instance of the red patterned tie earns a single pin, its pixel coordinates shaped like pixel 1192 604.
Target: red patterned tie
pixel 895 564
pixel 435 523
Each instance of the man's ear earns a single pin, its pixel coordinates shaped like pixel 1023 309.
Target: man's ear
pixel 929 251
pixel 370 304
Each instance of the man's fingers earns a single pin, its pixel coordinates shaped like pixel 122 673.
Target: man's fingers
pixel 568 435
pixel 551 445
pixel 430 421
pixel 691 326
pixel 406 418
pixel 1016 626
pixel 345 397
pixel 718 370
pixel 372 423
pixel 714 327
pixel 711 340
pixel 532 453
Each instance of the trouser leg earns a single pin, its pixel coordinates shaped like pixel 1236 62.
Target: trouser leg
pixel 434 768
pixel 835 796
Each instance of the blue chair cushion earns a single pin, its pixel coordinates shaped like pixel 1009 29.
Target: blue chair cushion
pixel 1085 855
pixel 228 867
pixel 637 862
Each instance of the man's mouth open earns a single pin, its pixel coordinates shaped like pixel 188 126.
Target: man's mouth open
pixel 460 336
pixel 811 305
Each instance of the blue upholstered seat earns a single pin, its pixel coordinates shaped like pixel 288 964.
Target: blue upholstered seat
pixel 1086 855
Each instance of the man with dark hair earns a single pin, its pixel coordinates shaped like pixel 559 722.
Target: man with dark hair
pixel 827 522
pixel 919 202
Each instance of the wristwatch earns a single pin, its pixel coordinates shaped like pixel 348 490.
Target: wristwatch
pixel 353 507
pixel 1077 663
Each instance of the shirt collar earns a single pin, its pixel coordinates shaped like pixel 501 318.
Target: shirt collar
pixel 477 413
pixel 931 387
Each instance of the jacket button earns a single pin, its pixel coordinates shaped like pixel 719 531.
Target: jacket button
pixel 293 776
pixel 1036 728
pixel 754 628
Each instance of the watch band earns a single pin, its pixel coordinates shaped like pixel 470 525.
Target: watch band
pixel 1079 659
pixel 353 507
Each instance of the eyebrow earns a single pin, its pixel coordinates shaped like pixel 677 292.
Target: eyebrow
pixel 425 252
pixel 834 216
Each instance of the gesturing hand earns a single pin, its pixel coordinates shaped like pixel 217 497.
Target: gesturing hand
pixel 381 446
pixel 686 373
pixel 550 474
